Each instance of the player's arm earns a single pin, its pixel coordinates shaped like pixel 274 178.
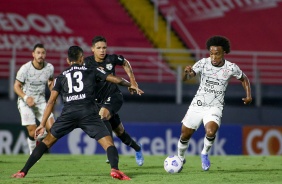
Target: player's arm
pixel 49 106
pixel 18 90
pixel 123 82
pixel 247 87
pixel 129 71
pixel 50 84
pixel 188 73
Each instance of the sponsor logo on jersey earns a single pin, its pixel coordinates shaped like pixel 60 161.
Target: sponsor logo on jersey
pixel 101 70
pixel 109 66
pixel 217 92
pixel 212 82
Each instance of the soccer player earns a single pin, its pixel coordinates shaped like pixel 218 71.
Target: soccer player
pixel 76 85
pixel 31 81
pixel 109 96
pixel 207 105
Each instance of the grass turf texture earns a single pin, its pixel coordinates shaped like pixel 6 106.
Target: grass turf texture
pixel 93 169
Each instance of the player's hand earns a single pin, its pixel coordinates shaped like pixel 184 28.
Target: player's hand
pixel 133 84
pixel 135 90
pixel 39 131
pixel 131 91
pixel 247 100
pixel 189 71
pixel 30 101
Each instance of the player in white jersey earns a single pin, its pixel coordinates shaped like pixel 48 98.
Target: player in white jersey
pixel 207 105
pixel 30 84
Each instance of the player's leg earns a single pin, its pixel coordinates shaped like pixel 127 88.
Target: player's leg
pixel 94 128
pixel 190 124
pixel 120 132
pixel 211 128
pixel 61 127
pixel 211 120
pixel 105 117
pixel 31 142
pixel 39 115
pixel 112 154
pixel 37 153
pixel 183 142
pixel 28 120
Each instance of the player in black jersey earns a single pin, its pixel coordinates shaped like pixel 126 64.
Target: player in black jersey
pixel 108 95
pixel 76 86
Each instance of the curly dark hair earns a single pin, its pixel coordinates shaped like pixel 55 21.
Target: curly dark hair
pixel 219 41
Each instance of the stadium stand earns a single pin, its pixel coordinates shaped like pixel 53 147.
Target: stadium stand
pixel 119 29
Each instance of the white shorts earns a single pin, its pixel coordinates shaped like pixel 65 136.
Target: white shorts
pixel 195 116
pixel 30 114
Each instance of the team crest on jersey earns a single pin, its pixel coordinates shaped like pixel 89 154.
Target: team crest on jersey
pixel 109 66
pixel 225 73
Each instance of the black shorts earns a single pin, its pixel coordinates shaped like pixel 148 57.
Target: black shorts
pixel 113 103
pixel 87 119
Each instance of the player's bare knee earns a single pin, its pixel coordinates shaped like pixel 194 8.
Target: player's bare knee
pixel 210 133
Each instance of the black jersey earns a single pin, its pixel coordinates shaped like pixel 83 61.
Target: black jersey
pixel 105 88
pixel 77 84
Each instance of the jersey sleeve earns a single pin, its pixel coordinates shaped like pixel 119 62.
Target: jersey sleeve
pixel 119 59
pixel 100 74
pixel 237 72
pixel 51 77
pixel 57 84
pixel 21 75
pixel 198 66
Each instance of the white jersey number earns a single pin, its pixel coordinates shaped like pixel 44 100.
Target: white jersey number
pixel 78 77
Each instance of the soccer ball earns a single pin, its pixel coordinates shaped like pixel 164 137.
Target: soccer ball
pixel 173 164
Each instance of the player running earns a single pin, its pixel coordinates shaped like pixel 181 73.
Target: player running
pixel 207 105
pixel 109 96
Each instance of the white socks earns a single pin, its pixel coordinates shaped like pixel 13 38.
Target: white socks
pixel 208 142
pixel 31 145
pixel 182 147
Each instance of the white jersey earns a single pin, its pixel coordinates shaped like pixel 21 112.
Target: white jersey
pixel 214 81
pixel 34 81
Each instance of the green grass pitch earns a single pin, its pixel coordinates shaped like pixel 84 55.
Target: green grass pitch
pixel 85 169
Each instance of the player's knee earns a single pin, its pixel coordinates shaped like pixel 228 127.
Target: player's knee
pixel 31 132
pixel 119 131
pixel 105 118
pixel 185 137
pixel 49 140
pixel 210 133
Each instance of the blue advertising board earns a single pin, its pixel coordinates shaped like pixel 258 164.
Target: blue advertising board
pixel 156 139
